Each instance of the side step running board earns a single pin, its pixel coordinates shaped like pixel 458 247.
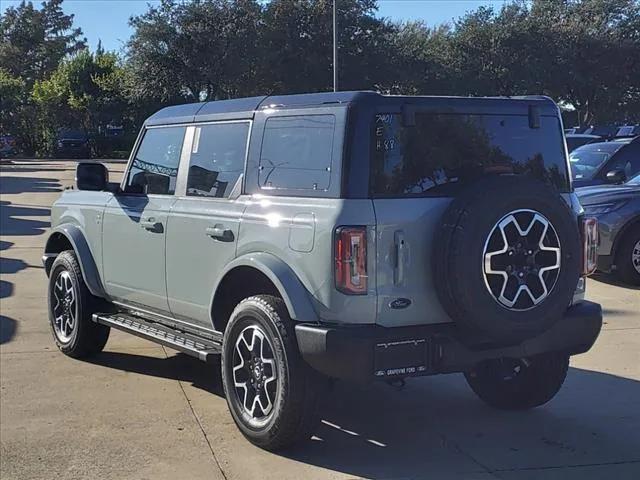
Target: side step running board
pixel 201 348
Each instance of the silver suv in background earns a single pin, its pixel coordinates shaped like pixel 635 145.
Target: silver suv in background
pixel 344 235
pixel 617 208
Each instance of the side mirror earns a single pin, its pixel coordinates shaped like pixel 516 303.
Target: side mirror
pixel 92 176
pixel 616 176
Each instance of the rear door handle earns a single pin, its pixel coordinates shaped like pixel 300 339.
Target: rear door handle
pixel 220 232
pixel 151 224
pixel 401 257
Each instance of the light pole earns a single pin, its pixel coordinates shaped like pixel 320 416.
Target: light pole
pixel 335 48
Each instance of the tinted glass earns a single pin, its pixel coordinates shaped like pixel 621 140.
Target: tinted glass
pixel 635 180
pixel 627 159
pixel 575 142
pixel 155 167
pixel 217 159
pixel 587 160
pixel 296 152
pixel 442 152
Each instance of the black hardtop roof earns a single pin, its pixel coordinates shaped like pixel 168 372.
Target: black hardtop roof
pixel 244 108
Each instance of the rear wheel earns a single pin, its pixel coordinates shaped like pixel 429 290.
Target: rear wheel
pixel 519 384
pixel 71 306
pixel 271 392
pixel 628 257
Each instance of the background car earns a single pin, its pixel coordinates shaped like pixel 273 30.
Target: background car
pixel 605 162
pixel 605 131
pixel 7 146
pixel 575 140
pixel 628 131
pixel 617 208
pixel 72 144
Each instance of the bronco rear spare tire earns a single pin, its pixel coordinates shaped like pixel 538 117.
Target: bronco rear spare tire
pixel 506 259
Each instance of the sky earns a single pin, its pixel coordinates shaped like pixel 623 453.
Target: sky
pixel 108 20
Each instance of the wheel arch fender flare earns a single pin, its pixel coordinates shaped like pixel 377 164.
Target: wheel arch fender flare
pixel 291 289
pixel 73 234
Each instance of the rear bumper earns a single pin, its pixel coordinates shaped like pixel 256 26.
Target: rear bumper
pixel 370 352
pixel 605 263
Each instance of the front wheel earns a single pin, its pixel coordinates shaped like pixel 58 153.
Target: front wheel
pixel 71 305
pixel 519 384
pixel 271 393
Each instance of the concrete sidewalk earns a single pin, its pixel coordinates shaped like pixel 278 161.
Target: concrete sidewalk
pixel 138 411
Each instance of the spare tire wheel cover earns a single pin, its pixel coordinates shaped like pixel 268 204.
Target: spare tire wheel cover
pixel 506 259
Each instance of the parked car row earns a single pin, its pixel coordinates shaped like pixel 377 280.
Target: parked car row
pixel 7 146
pixel 606 131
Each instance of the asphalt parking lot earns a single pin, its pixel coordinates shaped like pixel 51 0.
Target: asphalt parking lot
pixel 139 411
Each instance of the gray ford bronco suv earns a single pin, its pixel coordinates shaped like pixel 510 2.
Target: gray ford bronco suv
pixel 354 236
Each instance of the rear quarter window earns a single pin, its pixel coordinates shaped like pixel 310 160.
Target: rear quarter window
pixel 297 152
pixel 443 152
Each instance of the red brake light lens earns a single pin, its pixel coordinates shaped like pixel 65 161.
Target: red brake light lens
pixel 589 245
pixel 351 260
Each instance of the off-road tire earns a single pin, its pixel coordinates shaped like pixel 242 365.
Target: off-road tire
pixel 533 386
pixel 624 266
pixel 457 259
pixel 294 414
pixel 87 337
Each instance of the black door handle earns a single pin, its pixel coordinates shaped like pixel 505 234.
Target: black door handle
pixel 151 224
pixel 220 232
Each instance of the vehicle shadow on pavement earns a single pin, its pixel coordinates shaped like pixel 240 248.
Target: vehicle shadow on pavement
pixel 437 424
pixel 612 280
pixel 177 367
pixel 434 424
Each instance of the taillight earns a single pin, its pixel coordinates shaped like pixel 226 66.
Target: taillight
pixel 589 245
pixel 351 260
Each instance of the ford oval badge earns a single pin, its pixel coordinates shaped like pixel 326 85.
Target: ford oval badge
pixel 400 303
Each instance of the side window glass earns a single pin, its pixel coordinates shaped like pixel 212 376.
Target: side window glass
pixel 217 159
pixel 155 167
pixel 296 152
pixel 627 159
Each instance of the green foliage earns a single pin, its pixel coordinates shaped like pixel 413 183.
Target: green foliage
pixel 33 41
pixel 582 53
pixel 86 91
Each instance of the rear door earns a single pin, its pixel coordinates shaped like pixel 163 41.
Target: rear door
pixel 203 225
pixel 135 222
pixel 416 170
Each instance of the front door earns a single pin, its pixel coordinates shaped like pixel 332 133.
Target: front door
pixel 135 222
pixel 204 222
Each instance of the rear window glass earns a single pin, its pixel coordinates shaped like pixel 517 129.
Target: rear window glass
pixel 296 152
pixel 444 151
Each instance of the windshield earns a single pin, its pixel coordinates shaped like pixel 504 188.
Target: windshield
pixel 587 160
pixel 634 180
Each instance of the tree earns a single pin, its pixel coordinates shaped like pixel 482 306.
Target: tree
pixel 420 61
pixel 86 91
pixel 33 41
pixel 596 55
pixel 195 51
pixel 585 53
pixel 298 45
